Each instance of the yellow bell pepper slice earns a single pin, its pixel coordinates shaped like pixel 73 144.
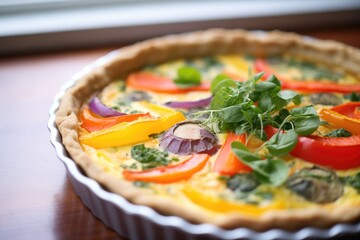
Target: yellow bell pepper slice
pixel 236 64
pixel 340 120
pixel 222 206
pixel 127 133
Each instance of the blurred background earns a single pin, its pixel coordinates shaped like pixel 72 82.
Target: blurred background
pixel 42 25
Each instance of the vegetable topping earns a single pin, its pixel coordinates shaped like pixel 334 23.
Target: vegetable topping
pixel 170 174
pixel 316 185
pixel 151 82
pixel 190 104
pixel 268 131
pixel 100 109
pixel 189 137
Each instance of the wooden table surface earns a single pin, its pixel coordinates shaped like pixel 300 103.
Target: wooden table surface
pixel 36 198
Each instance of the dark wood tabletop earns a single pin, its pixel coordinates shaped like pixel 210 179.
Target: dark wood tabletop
pixel 36 198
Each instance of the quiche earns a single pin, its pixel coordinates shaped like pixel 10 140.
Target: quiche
pixel 228 127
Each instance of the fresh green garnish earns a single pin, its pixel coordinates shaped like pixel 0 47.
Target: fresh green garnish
pixel 151 157
pixel 233 107
pixel 271 170
pixel 341 132
pixel 187 77
pixel 305 120
pixel 281 144
pixel 247 107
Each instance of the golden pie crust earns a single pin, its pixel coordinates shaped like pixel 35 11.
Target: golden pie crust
pixel 198 44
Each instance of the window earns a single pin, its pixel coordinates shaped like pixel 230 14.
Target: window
pixel 48 24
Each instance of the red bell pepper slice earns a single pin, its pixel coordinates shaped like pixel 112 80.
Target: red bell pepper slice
pixel 341 153
pixel 309 86
pixel 93 122
pixel 170 174
pixel 160 84
pixel 227 163
pixel 350 109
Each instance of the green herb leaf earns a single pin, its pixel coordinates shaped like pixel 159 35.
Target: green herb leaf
pixel 243 153
pixel 272 78
pixel 276 170
pixel 282 143
pixel 306 125
pixel 289 95
pixel 225 97
pixel 341 132
pixel 265 86
pixel 188 77
pixel 269 171
pixel 305 119
pixel 265 102
pixel 233 114
pixel 221 81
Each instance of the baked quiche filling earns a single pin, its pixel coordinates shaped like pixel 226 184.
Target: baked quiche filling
pixel 231 133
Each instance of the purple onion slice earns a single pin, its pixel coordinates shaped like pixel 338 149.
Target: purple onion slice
pixel 189 137
pixel 190 104
pixel 99 108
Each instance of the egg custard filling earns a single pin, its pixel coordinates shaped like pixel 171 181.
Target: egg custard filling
pixel 231 139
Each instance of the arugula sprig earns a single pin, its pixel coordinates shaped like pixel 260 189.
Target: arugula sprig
pixel 247 107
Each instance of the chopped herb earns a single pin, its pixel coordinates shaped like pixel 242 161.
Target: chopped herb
pixel 133 96
pixel 155 135
pixel 117 108
pixel 141 184
pixel 151 157
pixel 352 181
pixel 341 132
pixel 211 62
pixel 132 166
pixel 121 86
pixel 187 77
pixel 122 101
pixel 254 197
pixel 354 97
pixel 134 111
pixel 265 195
pixel 312 71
